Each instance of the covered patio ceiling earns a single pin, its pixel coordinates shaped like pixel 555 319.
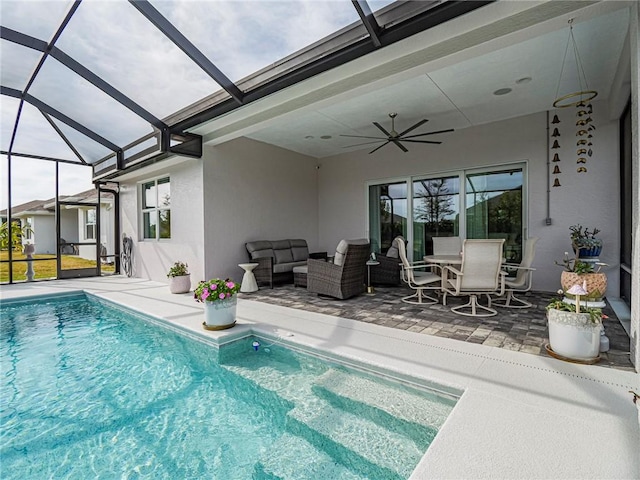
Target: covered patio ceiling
pixel 450 76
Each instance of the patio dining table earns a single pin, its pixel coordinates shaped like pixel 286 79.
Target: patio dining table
pixel 443 260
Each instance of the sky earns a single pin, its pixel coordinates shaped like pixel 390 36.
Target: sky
pixel 114 41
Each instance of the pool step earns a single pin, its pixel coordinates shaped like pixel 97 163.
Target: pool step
pixel 287 386
pixel 293 458
pixel 383 403
pixel 369 441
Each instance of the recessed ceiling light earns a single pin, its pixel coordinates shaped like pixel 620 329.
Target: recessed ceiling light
pixel 325 137
pixel 308 137
pixel 522 80
pixel 502 91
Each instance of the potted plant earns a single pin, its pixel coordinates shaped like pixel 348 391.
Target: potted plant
pixel 574 330
pixel 577 271
pixel 179 278
pixel 220 300
pixel 584 241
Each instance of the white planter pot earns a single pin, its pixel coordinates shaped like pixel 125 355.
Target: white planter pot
pixel 180 284
pixel 220 314
pixel 573 335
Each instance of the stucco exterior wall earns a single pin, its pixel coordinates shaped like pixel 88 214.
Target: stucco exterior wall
pixel 589 199
pixel 44 233
pixel 153 258
pixel 255 191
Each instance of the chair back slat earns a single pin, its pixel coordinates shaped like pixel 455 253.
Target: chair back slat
pixel 447 245
pixel 527 259
pixel 481 264
pixel 402 253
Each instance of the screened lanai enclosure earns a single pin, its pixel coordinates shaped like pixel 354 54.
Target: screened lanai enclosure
pixel 94 89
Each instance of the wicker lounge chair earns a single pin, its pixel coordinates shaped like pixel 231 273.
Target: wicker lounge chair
pixel 388 272
pixel 480 274
pixel 344 277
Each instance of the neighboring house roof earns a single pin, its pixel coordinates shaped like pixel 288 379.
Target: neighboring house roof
pixel 34 206
pixel 47 207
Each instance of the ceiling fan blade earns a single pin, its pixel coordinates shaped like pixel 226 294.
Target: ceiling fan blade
pixel 363 136
pixel 382 129
pixel 420 123
pixel 400 146
pixel 420 141
pixel 429 133
pixel 378 148
pixel 360 144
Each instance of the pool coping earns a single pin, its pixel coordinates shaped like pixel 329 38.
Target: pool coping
pixel 519 415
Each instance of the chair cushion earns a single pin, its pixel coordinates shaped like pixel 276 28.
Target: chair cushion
pixel 280 244
pixel 260 249
pixel 301 269
pixel 393 252
pixel 287 267
pixel 343 246
pixel 283 256
pixel 300 253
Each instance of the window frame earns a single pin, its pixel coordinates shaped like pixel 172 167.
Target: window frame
pixel 86 223
pixel 156 209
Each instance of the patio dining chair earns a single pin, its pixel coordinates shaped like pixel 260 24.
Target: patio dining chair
pixel 419 276
pixel 523 279
pixel 447 245
pixel 480 274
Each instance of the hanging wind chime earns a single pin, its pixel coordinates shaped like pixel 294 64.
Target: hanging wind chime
pixel 580 99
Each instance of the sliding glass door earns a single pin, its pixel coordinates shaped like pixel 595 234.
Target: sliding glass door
pixel 486 203
pixel 436 212
pixel 387 214
pixel 494 208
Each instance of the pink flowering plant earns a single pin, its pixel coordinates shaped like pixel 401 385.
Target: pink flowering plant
pixel 215 290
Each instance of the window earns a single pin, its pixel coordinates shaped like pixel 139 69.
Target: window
pixel 156 209
pixel 27 229
pixel 387 214
pixel 90 224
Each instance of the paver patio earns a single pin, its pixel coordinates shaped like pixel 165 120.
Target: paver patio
pixel 523 330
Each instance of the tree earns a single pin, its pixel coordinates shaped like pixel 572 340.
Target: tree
pixel 15 238
pixel 435 206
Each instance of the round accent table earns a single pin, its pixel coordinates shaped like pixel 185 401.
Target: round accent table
pixel 249 283
pixel 370 263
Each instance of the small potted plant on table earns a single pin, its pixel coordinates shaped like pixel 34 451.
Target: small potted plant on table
pixel 179 278
pixel 584 241
pixel 220 301
pixel 576 272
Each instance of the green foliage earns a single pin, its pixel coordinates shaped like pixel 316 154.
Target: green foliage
pixel 178 269
pixel 595 314
pixel 215 290
pixel 576 265
pixel 15 238
pixel 583 237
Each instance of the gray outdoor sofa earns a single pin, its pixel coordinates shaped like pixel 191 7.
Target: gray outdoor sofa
pixel 277 258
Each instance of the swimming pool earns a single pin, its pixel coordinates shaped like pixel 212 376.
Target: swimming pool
pixel 91 390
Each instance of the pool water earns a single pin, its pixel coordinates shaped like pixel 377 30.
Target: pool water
pixel 89 390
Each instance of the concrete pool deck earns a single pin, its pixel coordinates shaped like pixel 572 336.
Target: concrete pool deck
pixel 519 416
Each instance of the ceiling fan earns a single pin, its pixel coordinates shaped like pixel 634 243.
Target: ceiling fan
pixel 395 137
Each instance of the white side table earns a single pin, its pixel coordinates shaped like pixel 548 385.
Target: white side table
pixel 249 283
